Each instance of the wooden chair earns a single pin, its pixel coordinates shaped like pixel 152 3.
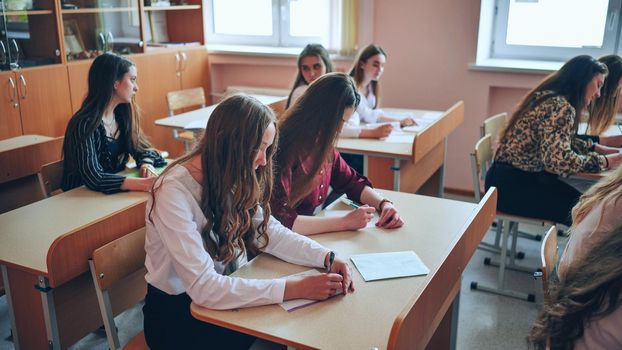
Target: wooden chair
pixel 118 269
pixel 182 100
pixel 481 159
pixel 493 126
pixel 50 178
pixel 549 257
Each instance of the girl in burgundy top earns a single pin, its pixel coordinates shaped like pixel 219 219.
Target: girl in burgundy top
pixel 308 163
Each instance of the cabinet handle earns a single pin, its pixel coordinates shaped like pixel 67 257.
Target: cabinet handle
pixel 178 64
pixel 13 93
pixel 109 41
pixel 4 55
pixel 102 40
pixel 16 53
pixel 184 61
pixel 24 87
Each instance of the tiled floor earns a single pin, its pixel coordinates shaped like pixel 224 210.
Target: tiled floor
pixel 486 321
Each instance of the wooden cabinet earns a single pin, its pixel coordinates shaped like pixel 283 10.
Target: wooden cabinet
pixel 36 101
pixel 78 73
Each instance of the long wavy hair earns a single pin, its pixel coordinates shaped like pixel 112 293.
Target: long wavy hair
pixel 309 50
pixel 232 190
pixel 106 69
pixel 589 291
pixel 357 72
pixel 609 187
pixel 604 109
pixel 309 130
pixel 570 81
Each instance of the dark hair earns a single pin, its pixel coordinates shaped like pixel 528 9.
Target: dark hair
pixel 309 50
pixel 603 111
pixel 232 189
pixel 105 70
pixel 570 81
pixel 310 128
pixel 590 290
pixel 357 73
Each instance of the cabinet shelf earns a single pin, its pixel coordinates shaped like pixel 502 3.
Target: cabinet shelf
pixel 28 12
pixel 99 10
pixel 172 8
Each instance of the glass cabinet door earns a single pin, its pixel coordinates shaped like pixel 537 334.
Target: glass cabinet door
pixel 28 34
pixel 92 27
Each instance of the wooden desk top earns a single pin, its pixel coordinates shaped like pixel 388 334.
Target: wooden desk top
pixel 22 141
pixel 181 120
pixel 28 233
pixel 418 143
pixel 434 229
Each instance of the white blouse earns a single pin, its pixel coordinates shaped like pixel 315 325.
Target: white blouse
pixel 298 91
pixel 365 113
pixel 178 262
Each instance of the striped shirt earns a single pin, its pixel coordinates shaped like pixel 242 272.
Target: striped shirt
pixel 94 165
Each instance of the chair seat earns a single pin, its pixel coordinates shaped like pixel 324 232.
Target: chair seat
pixel 524 219
pixel 137 343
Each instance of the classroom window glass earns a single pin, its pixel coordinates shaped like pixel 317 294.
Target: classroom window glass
pixel 310 18
pixel 554 29
pixel 256 19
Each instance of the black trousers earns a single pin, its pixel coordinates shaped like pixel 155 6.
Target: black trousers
pixel 169 325
pixel 538 195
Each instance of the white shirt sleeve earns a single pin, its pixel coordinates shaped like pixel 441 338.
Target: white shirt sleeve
pixel 181 237
pixel 352 128
pixel 366 111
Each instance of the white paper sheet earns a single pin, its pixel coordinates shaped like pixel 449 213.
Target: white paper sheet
pixel 295 304
pixel 378 266
pixel 398 115
pixel 340 213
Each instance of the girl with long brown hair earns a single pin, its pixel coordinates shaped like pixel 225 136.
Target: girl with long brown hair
pixel 308 163
pixel 208 213
pixel 105 131
pixel 538 145
pixel 313 62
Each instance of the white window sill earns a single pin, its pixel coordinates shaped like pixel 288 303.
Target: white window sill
pixel 262 51
pixel 516 66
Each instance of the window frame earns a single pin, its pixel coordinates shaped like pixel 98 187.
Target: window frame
pixel 500 50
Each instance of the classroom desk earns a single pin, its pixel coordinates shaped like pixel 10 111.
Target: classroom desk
pixel 199 117
pixel 21 159
pixel 416 165
pixel 44 252
pixel 403 313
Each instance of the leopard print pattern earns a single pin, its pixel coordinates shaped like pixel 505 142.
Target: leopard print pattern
pixel 543 140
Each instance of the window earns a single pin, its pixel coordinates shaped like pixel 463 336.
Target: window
pixel 553 30
pixel 286 23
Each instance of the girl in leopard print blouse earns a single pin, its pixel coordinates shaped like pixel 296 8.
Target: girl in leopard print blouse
pixel 539 144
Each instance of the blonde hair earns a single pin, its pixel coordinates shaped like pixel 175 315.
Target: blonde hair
pixel 611 186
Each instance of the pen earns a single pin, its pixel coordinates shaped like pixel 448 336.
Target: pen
pixel 350 203
pixel 331 259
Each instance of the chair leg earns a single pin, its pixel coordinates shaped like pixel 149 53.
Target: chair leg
pixel 500 289
pixel 511 265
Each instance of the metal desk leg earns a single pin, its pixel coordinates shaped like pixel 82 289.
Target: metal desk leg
pixel 396 174
pixel 441 174
pixel 49 313
pixel 365 165
pixel 454 320
pixel 9 300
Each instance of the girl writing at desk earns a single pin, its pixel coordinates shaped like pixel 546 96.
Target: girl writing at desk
pixel 308 163
pixel 313 62
pixel 605 108
pixel 105 131
pixel 539 144
pixel 209 211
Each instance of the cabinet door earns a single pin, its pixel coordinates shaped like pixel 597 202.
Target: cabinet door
pixel 10 123
pixel 44 100
pixel 78 73
pixel 195 70
pixel 157 75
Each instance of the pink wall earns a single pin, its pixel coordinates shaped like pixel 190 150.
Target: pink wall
pixel 430 45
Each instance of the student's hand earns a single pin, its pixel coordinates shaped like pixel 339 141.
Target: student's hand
pixel 613 141
pixel 147 170
pixel 382 130
pixel 407 122
pixel 341 267
pixel 358 218
pixel 316 287
pixel 138 184
pixel 389 217
pixel 614 160
pixel 605 149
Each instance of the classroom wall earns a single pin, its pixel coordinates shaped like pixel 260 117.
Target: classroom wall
pixel 430 45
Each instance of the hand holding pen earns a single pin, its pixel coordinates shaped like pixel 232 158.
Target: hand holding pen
pixel 359 217
pixel 340 267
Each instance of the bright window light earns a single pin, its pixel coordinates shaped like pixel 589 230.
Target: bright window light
pixel 255 19
pixel 309 18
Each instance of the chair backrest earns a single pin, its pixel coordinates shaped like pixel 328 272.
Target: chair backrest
pixel 548 254
pixel 50 178
pixel 493 126
pixel 119 266
pixel 185 99
pixel 481 158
